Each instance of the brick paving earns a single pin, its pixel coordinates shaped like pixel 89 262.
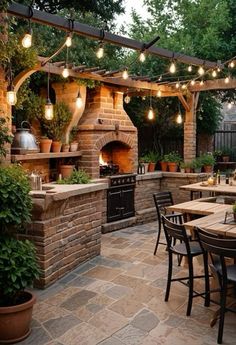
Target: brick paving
pixel 118 299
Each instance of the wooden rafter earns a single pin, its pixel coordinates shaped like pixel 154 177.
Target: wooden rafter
pixel 184 102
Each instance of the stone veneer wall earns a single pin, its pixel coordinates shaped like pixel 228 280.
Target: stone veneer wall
pixel 66 233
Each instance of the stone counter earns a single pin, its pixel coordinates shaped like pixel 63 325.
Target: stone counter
pixel 66 227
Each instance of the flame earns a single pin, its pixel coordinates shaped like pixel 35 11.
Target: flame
pixel 101 161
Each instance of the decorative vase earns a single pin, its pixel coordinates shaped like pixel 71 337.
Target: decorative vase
pixel 45 145
pixel 66 170
pixel 164 166
pixel 172 166
pixel 56 146
pixel 151 166
pixel 74 147
pixel 15 320
pixel 65 147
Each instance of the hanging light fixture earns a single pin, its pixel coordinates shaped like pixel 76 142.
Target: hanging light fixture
pixel 179 118
pixel 142 56
pixel 150 114
pixel 68 41
pixel 177 85
pixel 201 70
pixel 227 80
pixel 125 74
pixel 11 94
pixel 192 82
pixel 214 73
pixel 190 68
pixel 100 49
pixel 65 71
pixel 48 113
pixel 79 101
pixel 127 99
pixel 184 86
pixel 27 39
pixel 231 64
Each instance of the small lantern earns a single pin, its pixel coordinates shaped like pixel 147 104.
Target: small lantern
pixel 141 168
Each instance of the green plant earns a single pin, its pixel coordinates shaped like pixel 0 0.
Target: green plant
pixel 217 154
pixel 226 151
pixel 77 177
pixel 197 163
pixel 5 137
pixel 18 269
pixel 150 157
pixel 73 134
pixel 207 159
pixel 184 165
pixel 172 157
pixel 55 128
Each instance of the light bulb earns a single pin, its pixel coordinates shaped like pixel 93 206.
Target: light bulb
pixel 65 72
pixel 100 51
pixel 68 42
pixel 192 82
pixel 27 40
pixel 48 113
pixel 11 97
pixel 79 101
pixel 177 85
pixel 179 118
pixel 142 57
pixel 218 69
pixel 231 64
pixel 125 74
pixel 227 80
pixel 201 82
pixel 214 73
pixel 127 99
pixel 150 114
pixel 159 93
pixel 184 86
pixel 172 67
pixel 201 70
pixel 229 105
pixel 190 68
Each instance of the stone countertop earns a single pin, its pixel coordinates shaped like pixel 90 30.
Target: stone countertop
pixel 159 174
pixel 56 192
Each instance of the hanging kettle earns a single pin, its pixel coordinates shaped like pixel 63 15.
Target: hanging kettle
pixel 24 141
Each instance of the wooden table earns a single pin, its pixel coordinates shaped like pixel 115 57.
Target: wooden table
pixel 217 189
pixel 213 216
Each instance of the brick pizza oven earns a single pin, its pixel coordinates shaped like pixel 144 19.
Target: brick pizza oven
pixel 106 133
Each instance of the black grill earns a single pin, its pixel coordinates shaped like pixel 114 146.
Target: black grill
pixel 120 197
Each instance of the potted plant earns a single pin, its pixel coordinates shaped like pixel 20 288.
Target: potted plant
pixel 187 167
pixel 208 162
pixel 217 155
pixel 73 139
pixel 226 153
pixel 145 160
pixel 77 177
pixel 197 165
pixel 18 263
pixel 55 128
pixel 45 144
pixel 182 167
pixel 173 159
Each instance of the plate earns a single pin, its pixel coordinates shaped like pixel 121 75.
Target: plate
pixel 204 184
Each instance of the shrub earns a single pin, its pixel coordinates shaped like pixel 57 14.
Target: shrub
pixel 5 137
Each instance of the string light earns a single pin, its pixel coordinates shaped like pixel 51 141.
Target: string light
pixel 214 73
pixel 159 93
pixel 184 86
pixel 229 106
pixel 142 57
pixel 177 85
pixel 27 39
pixel 11 96
pixel 125 74
pixel 190 68
pixel 127 99
pixel 150 111
pixel 48 111
pixel 172 68
pixel 201 70
pixel 201 82
pixel 231 64
pixel 227 80
pixel 192 82
pixel 68 42
pixel 100 50
pixel 179 118
pixel 65 72
pixel 79 101
pixel 218 69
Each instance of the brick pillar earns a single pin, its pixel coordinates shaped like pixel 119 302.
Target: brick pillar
pixel 190 128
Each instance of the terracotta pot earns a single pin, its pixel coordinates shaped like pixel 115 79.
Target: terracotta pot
pixel 74 147
pixel 173 167
pixel 15 321
pixel 45 145
pixel 188 170
pixel 208 168
pixel 164 166
pixel 56 146
pixel 225 158
pixel 151 166
pixel 65 148
pixel 66 170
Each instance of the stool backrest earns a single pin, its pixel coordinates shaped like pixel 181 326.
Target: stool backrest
pixel 174 232
pixel 162 200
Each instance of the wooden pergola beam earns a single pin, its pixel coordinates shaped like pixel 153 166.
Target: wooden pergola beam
pixel 218 84
pixel 45 18
pixel 184 102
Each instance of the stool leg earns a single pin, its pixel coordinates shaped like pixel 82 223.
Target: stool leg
pixel 169 276
pixel 158 237
pixel 190 291
pixel 207 284
pixel 222 313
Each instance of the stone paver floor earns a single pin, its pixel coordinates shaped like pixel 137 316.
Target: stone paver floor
pixel 118 299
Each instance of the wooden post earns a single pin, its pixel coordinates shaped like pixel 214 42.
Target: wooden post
pixel 190 127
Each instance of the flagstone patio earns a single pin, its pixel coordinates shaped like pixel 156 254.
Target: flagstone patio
pixel 118 299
